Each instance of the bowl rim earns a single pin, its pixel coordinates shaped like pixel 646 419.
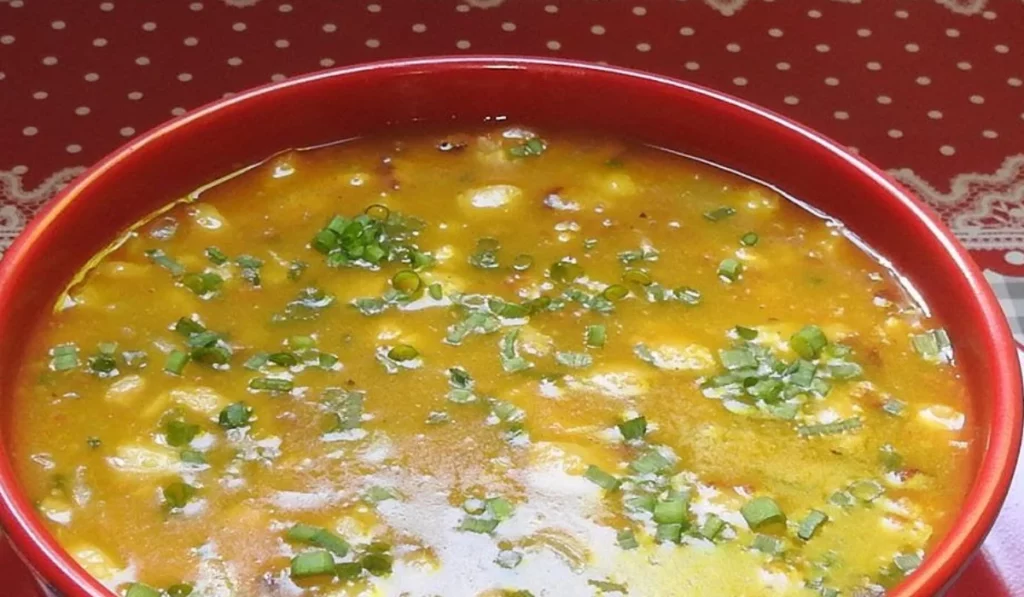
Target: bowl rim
pixel 40 550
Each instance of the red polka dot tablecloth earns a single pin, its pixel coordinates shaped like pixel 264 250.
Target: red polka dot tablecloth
pixel 930 90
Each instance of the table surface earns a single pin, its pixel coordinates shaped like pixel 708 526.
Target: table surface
pixel 932 91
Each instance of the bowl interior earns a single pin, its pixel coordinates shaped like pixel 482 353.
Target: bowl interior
pixel 218 139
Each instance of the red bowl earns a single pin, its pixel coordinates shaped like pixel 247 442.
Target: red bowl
pixel 221 137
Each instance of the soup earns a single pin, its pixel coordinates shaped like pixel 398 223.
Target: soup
pixel 492 362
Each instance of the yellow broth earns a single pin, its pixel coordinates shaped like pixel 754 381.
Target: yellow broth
pixel 441 392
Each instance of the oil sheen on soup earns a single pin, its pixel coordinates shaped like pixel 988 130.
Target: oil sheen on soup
pixel 492 362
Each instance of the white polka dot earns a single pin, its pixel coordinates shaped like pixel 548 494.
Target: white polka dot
pixel 58 25
pixel 373 43
pixel 923 80
pixel 1014 257
pixel 874 65
pixel 285 8
pixel 912 47
pixel 462 44
pixel 282 43
pixel 329 27
pixel 326 62
pixel 553 45
pixel 863 32
pixel 901 14
pixel 1001 48
pixel 597 30
pixel 782 65
pixel 196 6
pixel 177 111
pixel 733 47
pixel 127 131
pixel 831 81
pixel 418 27
pixel 462 8
pixel 884 100
pixel 643 47
pixel 551 9
pixel 639 11
pixel 507 26
pixel 99 42
pixel 686 31
pixel 373 7
pixel 6 39
pixel 184 77
pixel 29 131
pixel 814 14
pixel 20 169
pixel 73 148
pixel 822 48
pixel 989 15
pixel 740 81
pixel 190 41
pixel 853 149
pixel 40 95
pixel 952 32
pixel 277 77
pixel 149 26
pixel 792 100
pixel 135 95
pixel 934 114
pixel 989 134
pixel 91 77
pixel 841 115
pixel 142 60
pixel 775 32
pixel 947 150
pixel 50 60
pixel 239 26
pixel 82 110
pixel 977 99
pixel 691 65
pixel 234 61
pixel 963 65
pixel 1014 82
pixel 895 133
pixel 106 6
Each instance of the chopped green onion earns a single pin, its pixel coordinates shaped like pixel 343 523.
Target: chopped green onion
pixel 933 345
pixel 719 213
pixel 312 563
pixel 906 562
pixel 768 545
pixel 651 462
pixel 271 384
pixel 642 254
pixel 636 276
pixel 810 524
pixel 730 270
pixel 565 271
pixel 712 527
pixel 608 587
pixel 178 494
pixel 235 415
pixel 690 296
pixel 216 256
pixel 602 479
pixel 348 570
pixel 866 490
pixel 402 353
pixel 475 524
pixel 576 360
pixel 319 537
pixel 808 342
pixel 627 539
pixel 284 359
pixel 499 508
pixel 843 499
pixel 378 494
pixel 182 589
pixel 522 263
pixel 737 358
pixel 672 511
pixel 532 147
pixel 633 428
pixel 615 292
pixel 188 327
pixel 762 511
pixel 176 362
pixel 65 357
pixel 256 361
pixel 202 284
pixel 644 502
pixel 407 282
pixel 180 433
pixel 668 532
pixel 834 428
pixel 745 333
pixel 160 258
pixel 193 457
pixel 486 255
pixel 595 336
pixel 894 406
pixel 140 590
pixel 377 564
pixel 749 239
pixel 435 292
